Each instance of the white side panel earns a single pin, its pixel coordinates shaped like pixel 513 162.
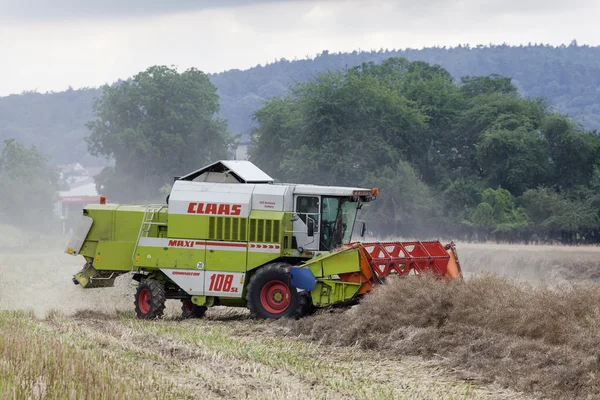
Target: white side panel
pixel 268 197
pixel 207 283
pixel 190 280
pixel 288 199
pixel 79 235
pixel 225 284
pixel 187 186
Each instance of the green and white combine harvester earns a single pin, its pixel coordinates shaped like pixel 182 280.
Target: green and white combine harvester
pixel 230 236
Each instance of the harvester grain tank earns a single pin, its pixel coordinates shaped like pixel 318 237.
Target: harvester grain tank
pixel 230 236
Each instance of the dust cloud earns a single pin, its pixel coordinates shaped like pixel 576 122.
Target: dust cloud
pixel 35 274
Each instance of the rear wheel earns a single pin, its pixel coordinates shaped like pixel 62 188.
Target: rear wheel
pixel 150 299
pixel 271 295
pixel 191 310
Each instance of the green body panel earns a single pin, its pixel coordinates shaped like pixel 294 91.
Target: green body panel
pixel 223 260
pixel 326 266
pixel 265 227
pixel 113 256
pixel 116 223
pixel 336 262
pixel 189 226
pixel 167 257
pixel 256 260
pixel 328 292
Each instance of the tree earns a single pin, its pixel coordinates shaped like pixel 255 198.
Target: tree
pixel 516 160
pixel 573 152
pixel 278 127
pixel 498 214
pixel 486 112
pixel 158 125
pixel 28 186
pixel 472 86
pixel 459 200
pixel 559 216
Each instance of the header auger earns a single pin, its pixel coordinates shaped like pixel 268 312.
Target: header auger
pixel 230 236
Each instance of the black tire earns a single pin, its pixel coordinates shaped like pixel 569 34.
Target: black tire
pixel 306 307
pixel 150 299
pixel 271 295
pixel 191 310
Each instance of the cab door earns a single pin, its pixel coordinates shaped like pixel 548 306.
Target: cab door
pixel 308 211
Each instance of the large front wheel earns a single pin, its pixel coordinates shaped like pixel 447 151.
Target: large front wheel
pixel 271 295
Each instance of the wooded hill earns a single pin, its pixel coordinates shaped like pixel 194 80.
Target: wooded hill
pixel 567 76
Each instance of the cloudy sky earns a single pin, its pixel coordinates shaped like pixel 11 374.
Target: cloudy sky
pixel 52 44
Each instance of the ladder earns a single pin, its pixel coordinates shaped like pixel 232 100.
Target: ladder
pixel 147 222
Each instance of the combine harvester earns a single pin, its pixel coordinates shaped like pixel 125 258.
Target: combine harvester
pixel 230 236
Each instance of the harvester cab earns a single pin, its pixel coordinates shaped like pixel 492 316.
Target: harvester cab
pixel 229 235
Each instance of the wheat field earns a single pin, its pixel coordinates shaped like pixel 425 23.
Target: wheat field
pixel 529 330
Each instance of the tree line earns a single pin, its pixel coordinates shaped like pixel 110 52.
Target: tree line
pixel 469 159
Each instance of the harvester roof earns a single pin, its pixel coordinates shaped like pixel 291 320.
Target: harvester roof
pixel 229 171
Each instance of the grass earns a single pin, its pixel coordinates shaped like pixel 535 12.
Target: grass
pixel 94 355
pixel 259 362
pixel 36 364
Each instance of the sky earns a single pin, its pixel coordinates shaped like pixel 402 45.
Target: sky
pixel 51 45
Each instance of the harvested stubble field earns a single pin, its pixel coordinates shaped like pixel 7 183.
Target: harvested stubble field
pixel 490 337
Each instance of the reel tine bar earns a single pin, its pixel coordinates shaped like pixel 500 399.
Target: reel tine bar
pixel 403 257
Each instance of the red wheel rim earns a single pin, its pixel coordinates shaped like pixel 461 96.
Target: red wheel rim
pixel 275 297
pixel 144 301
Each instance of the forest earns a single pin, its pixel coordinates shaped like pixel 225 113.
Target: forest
pixel 566 76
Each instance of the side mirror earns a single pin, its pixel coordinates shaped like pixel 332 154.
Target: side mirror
pixel 310 227
pixel 363 229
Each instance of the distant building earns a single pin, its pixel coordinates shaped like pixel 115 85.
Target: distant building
pixel 81 191
pixel 241 151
